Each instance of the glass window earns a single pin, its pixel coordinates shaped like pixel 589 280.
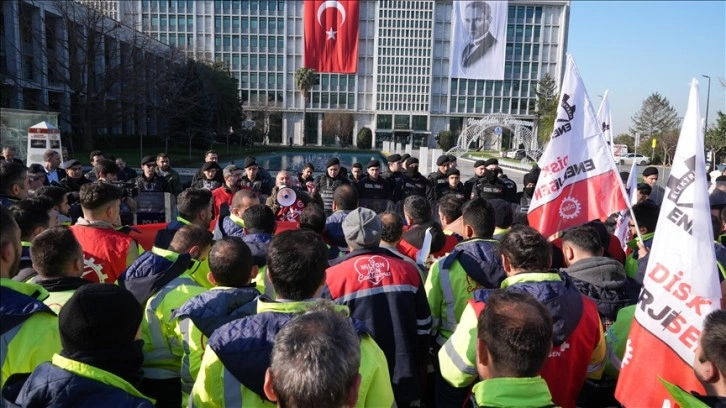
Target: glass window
pixel 235 42
pixel 420 122
pixel 163 22
pixel 172 23
pixel 253 78
pixel 263 62
pixel 235 23
pixel 226 41
pixel 245 23
pixel 217 40
pixel 245 61
pixel 384 121
pixel 245 42
pixel 253 59
pixel 253 23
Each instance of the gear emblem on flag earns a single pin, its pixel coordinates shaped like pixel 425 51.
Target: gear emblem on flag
pixel 570 208
pixel 628 353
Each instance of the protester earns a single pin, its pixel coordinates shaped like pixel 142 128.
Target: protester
pixel 74 179
pixel 163 168
pixel 260 226
pixel 223 195
pixel 9 153
pixel 302 198
pixel 29 332
pixel 514 338
pixel 503 217
pixel 345 200
pixel 58 259
pixel 644 191
pixel 391 233
pixel 161 281
pixel 194 207
pixel 33 216
pixel 106 252
pixel 59 197
pixel 650 177
pixel 474 263
pixel 238 353
pixel 233 297
pixel 579 347
pixel 307 174
pixel 315 361
pixel 234 224
pixel 312 218
pixel 14 185
pixel 646 215
pixel 417 213
pixel 253 180
pixel 100 363
pixel 449 207
pixel 369 280
pixel 37 178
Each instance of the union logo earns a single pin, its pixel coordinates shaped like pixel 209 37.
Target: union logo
pixel 373 269
pixel 570 208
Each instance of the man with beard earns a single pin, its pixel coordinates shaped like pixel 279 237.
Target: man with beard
pixel 326 183
pixel 356 173
pixel 306 175
pixel 163 168
pixel 150 181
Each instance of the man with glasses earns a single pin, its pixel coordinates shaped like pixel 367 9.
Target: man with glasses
pixel 150 180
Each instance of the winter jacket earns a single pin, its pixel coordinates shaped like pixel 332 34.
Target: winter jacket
pixel 238 354
pixel 604 281
pixel 387 295
pixel 201 316
pixel 258 244
pixel 634 266
pixel 155 184
pixel 507 392
pixel 334 234
pixel 325 186
pixel 70 383
pixel 60 290
pixel 165 235
pixel 452 280
pixel 579 347
pixel 28 328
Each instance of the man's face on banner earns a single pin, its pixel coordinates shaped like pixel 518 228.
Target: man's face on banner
pixel 477 16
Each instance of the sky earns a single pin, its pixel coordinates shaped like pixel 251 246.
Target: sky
pixel 636 48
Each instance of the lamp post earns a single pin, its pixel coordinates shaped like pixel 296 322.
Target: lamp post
pixel 705 127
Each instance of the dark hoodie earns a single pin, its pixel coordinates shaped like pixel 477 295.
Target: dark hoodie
pixel 151 272
pixel 62 283
pixel 412 240
pixel 217 307
pixel 604 281
pixel 334 234
pixel 480 260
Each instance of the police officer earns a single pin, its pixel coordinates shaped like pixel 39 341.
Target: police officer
pixel 413 183
pixel 395 166
pixel 454 185
pixel 327 183
pixel 479 169
pixel 489 186
pixel 439 179
pixel 372 186
pixel 253 180
pixel 510 194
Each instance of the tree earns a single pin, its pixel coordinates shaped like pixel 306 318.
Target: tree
pixel 305 78
pixel 665 147
pixel 716 136
pixel 364 138
pixel 655 116
pixel 447 140
pixel 625 139
pixel 546 107
pixel 340 124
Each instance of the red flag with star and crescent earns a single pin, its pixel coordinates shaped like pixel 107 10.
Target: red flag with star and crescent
pixel 331 36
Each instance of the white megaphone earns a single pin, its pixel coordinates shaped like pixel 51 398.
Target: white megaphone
pixel 286 196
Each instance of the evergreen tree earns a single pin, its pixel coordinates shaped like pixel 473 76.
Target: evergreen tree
pixel 546 112
pixel 655 116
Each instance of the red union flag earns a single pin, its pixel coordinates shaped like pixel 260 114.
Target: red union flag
pixel 681 283
pixel 578 181
pixel 331 35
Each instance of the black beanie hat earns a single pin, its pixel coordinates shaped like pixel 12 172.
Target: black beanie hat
pixel 479 163
pixel 530 178
pixel 373 163
pixel 394 158
pixel 148 159
pixel 649 171
pixel 405 157
pixel 443 159
pixel 491 161
pixel 99 316
pixel 332 162
pixel 357 166
pixel 453 172
pixel 411 160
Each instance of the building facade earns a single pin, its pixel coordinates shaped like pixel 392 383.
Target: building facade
pixel 89 68
pixel 403 89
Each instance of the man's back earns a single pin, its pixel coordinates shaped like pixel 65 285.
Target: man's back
pixel 28 329
pixel 386 294
pixel 578 342
pixel 238 354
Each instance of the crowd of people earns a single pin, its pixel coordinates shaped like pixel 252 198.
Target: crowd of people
pixel 390 289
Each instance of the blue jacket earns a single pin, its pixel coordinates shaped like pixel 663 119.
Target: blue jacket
pixel 258 243
pixel 244 346
pixel 214 308
pixel 53 386
pixel 480 260
pixel 231 228
pixel 334 233
pixel 151 272
pixel 165 235
pixel 17 307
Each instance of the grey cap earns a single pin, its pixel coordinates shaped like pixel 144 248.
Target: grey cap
pixel 229 170
pixel 362 229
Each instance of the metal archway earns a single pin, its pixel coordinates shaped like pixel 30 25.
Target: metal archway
pixel 476 130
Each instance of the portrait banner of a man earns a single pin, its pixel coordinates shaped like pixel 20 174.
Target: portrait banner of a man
pixel 478 40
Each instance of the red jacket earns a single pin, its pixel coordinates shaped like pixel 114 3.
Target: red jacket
pixel 221 195
pixel 105 251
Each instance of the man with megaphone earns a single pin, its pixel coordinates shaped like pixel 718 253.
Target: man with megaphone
pixel 287 201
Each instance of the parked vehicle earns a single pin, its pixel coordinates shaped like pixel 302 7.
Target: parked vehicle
pixel 639 159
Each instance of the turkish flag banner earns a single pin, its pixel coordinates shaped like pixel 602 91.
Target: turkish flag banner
pixel 331 36
pixel 680 286
pixel 579 181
